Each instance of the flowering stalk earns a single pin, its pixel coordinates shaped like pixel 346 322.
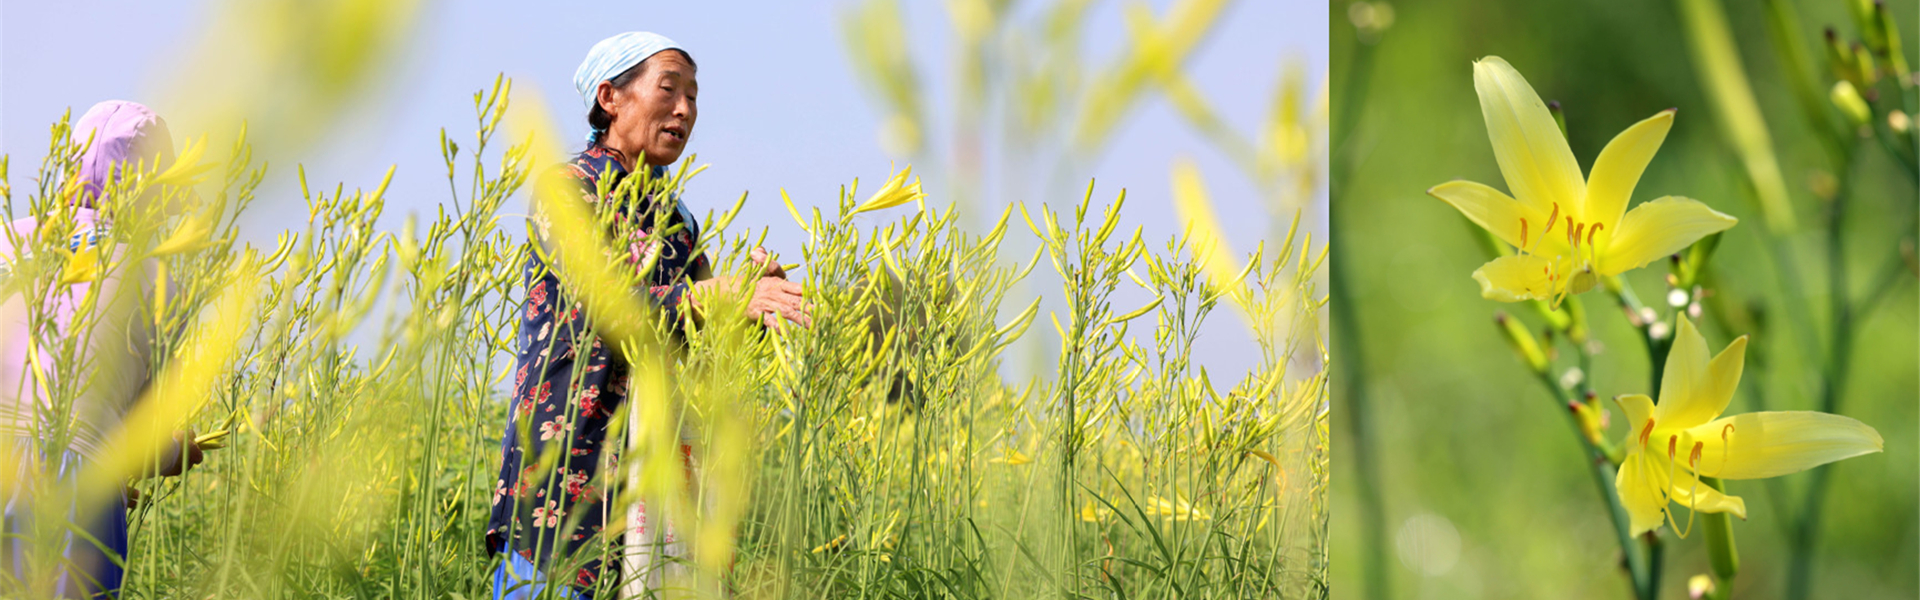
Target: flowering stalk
pixel 1642 561
pixel 1720 549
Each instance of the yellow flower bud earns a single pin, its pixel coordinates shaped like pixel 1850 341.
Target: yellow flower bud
pixel 1699 586
pixel 1593 425
pixel 1848 99
pixel 1522 341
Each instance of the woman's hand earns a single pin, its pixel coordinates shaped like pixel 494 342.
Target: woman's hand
pixel 772 301
pixel 776 300
pixel 769 266
pixel 181 453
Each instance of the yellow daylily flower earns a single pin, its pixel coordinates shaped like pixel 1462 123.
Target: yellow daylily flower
pixel 194 233
pixel 897 191
pixel 1094 514
pixel 1683 438
pixel 187 170
pixel 1570 230
pixel 82 267
pixel 1011 457
pixel 1177 509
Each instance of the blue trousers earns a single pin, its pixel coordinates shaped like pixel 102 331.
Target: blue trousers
pixel 92 568
pixel 518 579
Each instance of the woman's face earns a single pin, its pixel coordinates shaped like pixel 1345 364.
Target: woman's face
pixel 654 114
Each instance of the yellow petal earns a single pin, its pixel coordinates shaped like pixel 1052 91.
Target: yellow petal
pixel 1515 278
pixel 1698 586
pixel 1659 228
pixel 1640 483
pixel 1771 444
pixel 187 168
pixel 1093 514
pixel 897 191
pixel 1618 170
pixel 1498 213
pixel 82 267
pixel 194 233
pixel 1533 155
pixel 1210 248
pixel 1638 408
pixel 1010 456
pixel 1688 491
pixel 1694 390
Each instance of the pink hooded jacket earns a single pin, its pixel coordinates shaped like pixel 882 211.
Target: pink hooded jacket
pixel 123 134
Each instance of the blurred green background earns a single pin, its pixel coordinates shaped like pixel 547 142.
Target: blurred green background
pixel 1483 489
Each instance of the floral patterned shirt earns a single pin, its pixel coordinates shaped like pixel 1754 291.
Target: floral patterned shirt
pixel 554 516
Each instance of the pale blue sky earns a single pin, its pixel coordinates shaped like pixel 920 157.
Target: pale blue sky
pixel 780 103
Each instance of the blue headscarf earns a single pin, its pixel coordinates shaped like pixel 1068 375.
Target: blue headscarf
pixel 613 56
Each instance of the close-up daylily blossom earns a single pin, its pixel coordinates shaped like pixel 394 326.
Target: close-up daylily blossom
pixel 1569 230
pixel 1671 445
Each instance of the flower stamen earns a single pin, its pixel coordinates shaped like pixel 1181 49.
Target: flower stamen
pixel 1726 448
pixel 1693 493
pixel 1551 219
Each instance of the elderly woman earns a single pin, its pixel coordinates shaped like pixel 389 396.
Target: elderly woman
pixel 550 509
pixel 118 135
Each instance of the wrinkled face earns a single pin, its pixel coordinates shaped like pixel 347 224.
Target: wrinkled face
pixel 654 113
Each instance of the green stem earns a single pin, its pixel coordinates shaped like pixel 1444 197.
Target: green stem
pixel 1784 25
pixel 1656 555
pixel 1840 354
pixel 1643 573
pixel 1352 370
pixel 1894 151
pixel 1656 347
pixel 1721 552
pixel 1347 334
pixel 1890 275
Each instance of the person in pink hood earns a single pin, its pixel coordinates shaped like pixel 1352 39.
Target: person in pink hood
pixel 119 136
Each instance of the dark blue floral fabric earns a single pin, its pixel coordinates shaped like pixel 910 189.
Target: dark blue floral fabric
pixel 549 504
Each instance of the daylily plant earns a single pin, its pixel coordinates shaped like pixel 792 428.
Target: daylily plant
pixel 1671 445
pixel 1569 230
